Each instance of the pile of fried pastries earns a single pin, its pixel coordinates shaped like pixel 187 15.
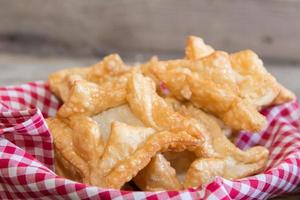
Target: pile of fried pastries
pixel 162 125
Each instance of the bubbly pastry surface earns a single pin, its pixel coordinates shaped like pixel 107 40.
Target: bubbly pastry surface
pixel 255 82
pixel 210 84
pixel 121 114
pixel 158 175
pixel 162 124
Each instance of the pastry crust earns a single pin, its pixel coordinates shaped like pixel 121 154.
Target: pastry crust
pixel 256 83
pixel 247 162
pixel 159 142
pixel 162 124
pixel 127 153
pixel 154 111
pixel 158 175
pixel 196 48
pixel 204 170
pixel 103 169
pixel 210 84
pixel 244 163
pixel 221 144
pixel 285 95
pixel 77 147
pixel 88 98
pixel 61 82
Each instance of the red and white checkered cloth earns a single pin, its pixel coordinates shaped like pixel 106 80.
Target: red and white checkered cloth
pixel 26 155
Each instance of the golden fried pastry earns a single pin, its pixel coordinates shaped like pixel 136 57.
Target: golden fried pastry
pixel 122 142
pixel 162 124
pixel 160 142
pixel 204 170
pixel 111 66
pixel 166 171
pixel 121 114
pixel 255 82
pixel 181 162
pixel 77 146
pixel 82 97
pixel 154 111
pixel 90 98
pixel 223 149
pixel 231 162
pixel 285 95
pixel 124 158
pixel 221 144
pixel 210 83
pixel 180 107
pixel 79 149
pixel 148 103
pixel 60 82
pixel 158 175
pixel 196 48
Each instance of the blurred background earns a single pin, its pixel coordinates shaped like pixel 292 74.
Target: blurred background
pixel 39 37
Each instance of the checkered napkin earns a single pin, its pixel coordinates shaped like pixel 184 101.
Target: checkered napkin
pixel 26 155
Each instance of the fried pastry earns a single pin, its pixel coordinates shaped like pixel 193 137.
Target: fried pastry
pixel 160 142
pixel 181 107
pixel 122 142
pixel 158 175
pixel 124 160
pixel 196 48
pixel 153 110
pixel 255 83
pixel 223 149
pixel 121 114
pixel 81 95
pixel 77 154
pixel 216 144
pixel 204 170
pixel 221 144
pixel 111 66
pixel 77 146
pixel 162 124
pixel 210 83
pixel 285 95
pixel 61 82
pixel 89 98
pixel 180 162
pixel 231 162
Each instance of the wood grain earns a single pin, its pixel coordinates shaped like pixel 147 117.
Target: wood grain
pixel 269 27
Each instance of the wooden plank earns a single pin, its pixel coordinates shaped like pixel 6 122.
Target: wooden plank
pixel 270 27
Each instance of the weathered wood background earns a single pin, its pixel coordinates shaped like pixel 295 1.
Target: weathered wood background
pixel 36 36
pixel 270 27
